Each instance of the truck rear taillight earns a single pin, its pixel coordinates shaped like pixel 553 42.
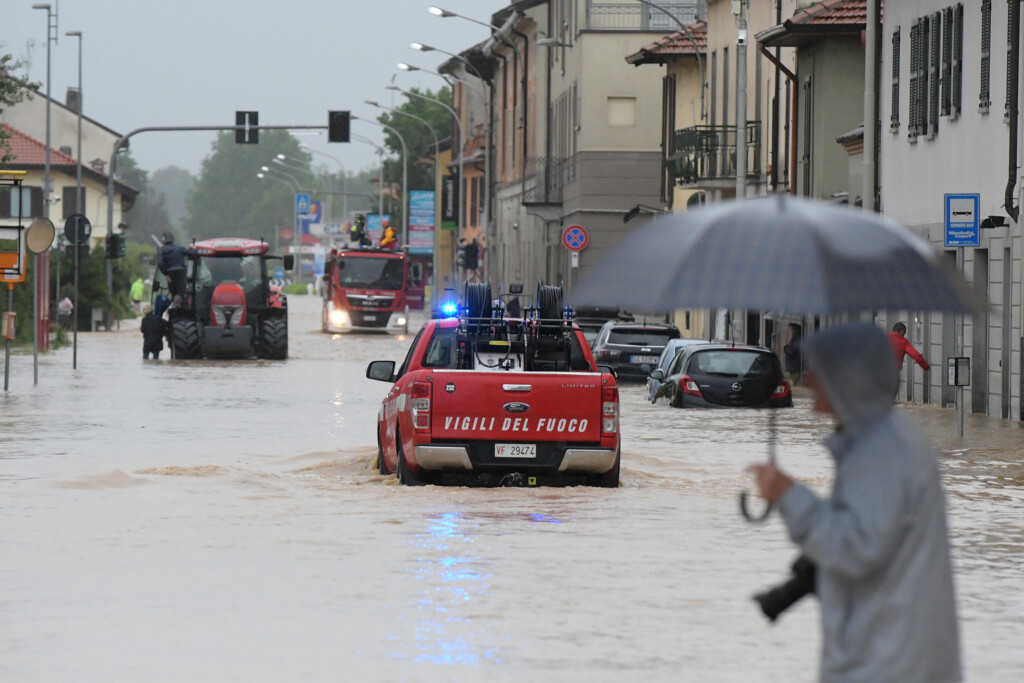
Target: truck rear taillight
pixel 688 386
pixel 782 391
pixel 421 405
pixel 609 410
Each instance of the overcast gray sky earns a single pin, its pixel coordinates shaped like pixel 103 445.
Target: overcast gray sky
pixel 195 62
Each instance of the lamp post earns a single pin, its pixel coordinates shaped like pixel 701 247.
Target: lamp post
pixel 78 202
pixel 51 37
pixel 261 175
pixel 462 144
pixel 296 239
pixel 405 176
pixel 437 143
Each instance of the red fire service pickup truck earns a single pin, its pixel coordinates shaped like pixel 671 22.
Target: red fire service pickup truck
pixel 365 291
pixel 494 401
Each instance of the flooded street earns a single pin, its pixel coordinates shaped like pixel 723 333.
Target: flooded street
pixel 214 520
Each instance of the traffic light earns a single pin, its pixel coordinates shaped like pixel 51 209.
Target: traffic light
pixel 337 126
pixel 115 246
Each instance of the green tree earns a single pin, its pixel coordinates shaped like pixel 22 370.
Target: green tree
pixel 172 184
pixel 418 139
pixel 13 89
pixel 229 200
pixel 147 215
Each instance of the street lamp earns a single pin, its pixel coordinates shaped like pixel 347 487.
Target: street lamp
pixel 462 147
pixel 51 37
pixel 405 176
pixel 344 185
pixel 429 48
pixel 78 202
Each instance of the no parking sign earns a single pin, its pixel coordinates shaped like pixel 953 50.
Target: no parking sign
pixel 575 238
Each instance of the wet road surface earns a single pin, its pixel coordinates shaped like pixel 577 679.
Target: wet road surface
pixel 223 520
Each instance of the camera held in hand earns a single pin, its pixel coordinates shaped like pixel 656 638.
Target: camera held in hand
pixel 777 600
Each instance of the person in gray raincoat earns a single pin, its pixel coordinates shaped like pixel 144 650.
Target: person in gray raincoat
pixel 880 542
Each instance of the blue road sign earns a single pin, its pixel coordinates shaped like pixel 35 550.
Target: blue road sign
pixel 962 220
pixel 302 203
pixel 279 273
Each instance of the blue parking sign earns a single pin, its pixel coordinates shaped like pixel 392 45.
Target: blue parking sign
pixel 962 221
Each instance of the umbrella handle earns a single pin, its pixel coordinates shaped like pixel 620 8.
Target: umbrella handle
pixel 746 512
pixel 772 432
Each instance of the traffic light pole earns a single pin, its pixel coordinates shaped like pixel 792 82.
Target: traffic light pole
pixel 122 143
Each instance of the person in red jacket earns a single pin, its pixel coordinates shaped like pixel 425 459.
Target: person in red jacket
pixel 901 347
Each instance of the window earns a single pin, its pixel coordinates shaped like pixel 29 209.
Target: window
pixel 894 118
pixel 621 112
pixel 68 203
pixel 914 118
pixel 439 350
pixel 28 203
pixel 984 95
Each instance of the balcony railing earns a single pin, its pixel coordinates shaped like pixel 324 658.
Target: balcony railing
pixel 544 179
pixel 709 152
pixel 635 16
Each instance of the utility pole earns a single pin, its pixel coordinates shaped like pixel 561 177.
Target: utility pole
pixel 740 9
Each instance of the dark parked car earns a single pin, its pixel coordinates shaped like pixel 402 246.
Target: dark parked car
pixel 591 319
pixel 632 348
pixel 674 348
pixel 724 375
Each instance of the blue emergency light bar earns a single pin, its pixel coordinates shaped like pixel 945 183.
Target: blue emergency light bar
pixel 450 309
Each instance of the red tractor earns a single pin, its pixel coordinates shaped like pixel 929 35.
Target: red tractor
pixel 230 309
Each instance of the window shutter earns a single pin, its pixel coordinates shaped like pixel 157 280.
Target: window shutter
pixel 957 62
pixel 934 66
pixel 915 82
pixel 808 120
pixel 37 202
pixel 894 118
pixel 1012 35
pixel 947 61
pixel 5 202
pixel 984 99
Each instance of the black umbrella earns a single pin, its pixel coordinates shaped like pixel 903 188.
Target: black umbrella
pixel 779 254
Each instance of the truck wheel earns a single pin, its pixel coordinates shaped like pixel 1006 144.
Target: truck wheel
pixel 185 339
pixel 381 466
pixel 610 480
pixel 274 339
pixel 405 477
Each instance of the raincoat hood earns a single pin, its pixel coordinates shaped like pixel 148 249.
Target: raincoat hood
pixel 855 366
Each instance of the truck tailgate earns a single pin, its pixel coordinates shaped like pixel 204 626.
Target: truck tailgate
pixel 516 406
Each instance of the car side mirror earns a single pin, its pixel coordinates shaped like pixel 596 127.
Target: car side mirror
pixel 607 368
pixel 289 261
pixel 381 370
pixel 657 374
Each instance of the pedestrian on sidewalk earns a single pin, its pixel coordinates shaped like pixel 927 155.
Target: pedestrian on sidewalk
pixel 138 292
pixel 880 541
pixel 154 329
pixel 902 347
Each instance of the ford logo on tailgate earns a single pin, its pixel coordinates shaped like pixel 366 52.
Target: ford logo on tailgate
pixel 516 407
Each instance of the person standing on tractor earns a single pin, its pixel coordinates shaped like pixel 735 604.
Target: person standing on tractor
pixel 171 263
pixel 357 233
pixel 389 240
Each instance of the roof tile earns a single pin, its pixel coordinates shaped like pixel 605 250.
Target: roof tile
pixel 27 151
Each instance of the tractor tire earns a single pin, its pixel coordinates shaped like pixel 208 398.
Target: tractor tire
pixel 185 344
pixel 273 339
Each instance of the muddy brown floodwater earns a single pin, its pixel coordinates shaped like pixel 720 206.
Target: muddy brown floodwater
pixel 167 521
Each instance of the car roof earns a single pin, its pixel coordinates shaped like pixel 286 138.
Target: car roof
pixel 620 325
pixel 729 347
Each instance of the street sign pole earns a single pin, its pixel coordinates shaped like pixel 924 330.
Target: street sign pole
pixel 962 230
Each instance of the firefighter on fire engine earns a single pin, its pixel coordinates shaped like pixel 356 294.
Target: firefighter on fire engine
pixel 389 240
pixel 357 233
